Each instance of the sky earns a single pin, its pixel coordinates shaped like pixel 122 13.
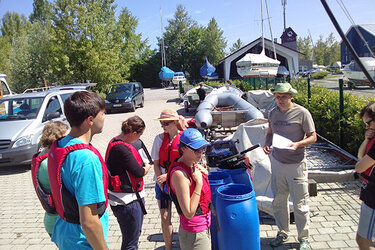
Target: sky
pixel 239 19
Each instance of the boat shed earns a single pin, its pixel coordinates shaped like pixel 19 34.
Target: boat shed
pixel 288 57
pixel 368 33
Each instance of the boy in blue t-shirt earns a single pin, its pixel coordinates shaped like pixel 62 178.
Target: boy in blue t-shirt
pixel 82 175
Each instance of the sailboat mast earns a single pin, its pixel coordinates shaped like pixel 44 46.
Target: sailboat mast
pixel 261 10
pixel 163 60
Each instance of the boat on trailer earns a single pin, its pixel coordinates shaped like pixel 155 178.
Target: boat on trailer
pixel 258 65
pixel 353 75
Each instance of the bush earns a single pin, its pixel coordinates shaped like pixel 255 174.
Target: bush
pixel 319 75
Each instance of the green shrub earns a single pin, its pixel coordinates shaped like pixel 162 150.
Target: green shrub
pixel 319 75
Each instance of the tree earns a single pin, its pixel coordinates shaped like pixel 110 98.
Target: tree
pixel 13 24
pixel 132 48
pixel 86 48
pixel 236 46
pixel 175 37
pixel 304 45
pixel 213 42
pixel 30 58
pixel 42 11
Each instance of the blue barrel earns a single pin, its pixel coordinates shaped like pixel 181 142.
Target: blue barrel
pixel 237 212
pixel 240 176
pixel 216 180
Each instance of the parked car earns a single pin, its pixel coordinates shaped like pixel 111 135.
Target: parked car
pixel 22 119
pixel 4 87
pixel 124 96
pixel 177 78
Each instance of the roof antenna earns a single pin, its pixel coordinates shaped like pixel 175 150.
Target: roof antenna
pixel 283 3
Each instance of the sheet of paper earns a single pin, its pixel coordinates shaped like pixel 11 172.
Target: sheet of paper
pixel 281 142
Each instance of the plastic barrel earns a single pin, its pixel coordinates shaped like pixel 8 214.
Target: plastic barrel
pixel 240 176
pixel 216 180
pixel 237 213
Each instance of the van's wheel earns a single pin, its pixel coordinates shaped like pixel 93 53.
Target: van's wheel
pixel 132 109
pixel 142 103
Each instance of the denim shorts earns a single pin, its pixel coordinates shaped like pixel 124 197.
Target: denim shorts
pixel 366 225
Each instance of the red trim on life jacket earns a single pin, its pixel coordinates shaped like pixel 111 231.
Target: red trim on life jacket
pixel 116 181
pixel 370 170
pixel 205 197
pixel 44 197
pixel 65 203
pixel 168 152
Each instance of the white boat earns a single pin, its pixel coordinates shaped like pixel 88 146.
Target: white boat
pixel 353 75
pixel 257 65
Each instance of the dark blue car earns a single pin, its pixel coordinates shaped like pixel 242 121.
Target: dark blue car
pixel 124 96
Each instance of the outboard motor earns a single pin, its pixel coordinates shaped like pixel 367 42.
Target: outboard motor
pixel 224 154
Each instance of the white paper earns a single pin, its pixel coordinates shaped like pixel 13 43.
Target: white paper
pixel 281 142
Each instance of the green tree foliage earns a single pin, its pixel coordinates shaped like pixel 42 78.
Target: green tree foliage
pixel 304 45
pixel 29 58
pixel 236 46
pixel 86 46
pixel 325 52
pixel 187 44
pixel 13 24
pixel 5 49
pixel 175 39
pixel 42 11
pixel 213 42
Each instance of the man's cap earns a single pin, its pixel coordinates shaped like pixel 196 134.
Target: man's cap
pixel 284 87
pixel 193 138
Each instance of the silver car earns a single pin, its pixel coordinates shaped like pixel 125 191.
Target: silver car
pixel 22 119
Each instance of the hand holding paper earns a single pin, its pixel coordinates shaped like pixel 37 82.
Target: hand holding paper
pixel 281 142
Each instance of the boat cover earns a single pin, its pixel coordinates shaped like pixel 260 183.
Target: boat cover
pixel 249 134
pixel 208 71
pixel 166 73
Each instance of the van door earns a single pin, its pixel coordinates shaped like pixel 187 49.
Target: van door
pixel 53 110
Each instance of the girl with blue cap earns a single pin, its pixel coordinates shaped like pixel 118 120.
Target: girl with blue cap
pixel 188 185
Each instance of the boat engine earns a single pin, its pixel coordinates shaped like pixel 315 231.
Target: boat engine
pixel 224 154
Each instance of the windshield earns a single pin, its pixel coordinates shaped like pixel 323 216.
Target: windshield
pixel 120 88
pixel 20 108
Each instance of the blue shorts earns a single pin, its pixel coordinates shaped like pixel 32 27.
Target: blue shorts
pixel 163 197
pixel 366 225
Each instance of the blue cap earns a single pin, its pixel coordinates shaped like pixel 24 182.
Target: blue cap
pixel 193 138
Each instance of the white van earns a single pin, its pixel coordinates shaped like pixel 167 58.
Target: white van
pixel 4 88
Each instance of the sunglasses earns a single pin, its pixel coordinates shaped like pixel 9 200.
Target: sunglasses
pixel 165 123
pixel 197 151
pixel 368 122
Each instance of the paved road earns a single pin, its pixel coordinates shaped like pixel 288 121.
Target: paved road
pixel 333 84
pixel 334 211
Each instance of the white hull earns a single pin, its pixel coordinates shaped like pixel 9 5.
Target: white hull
pixel 249 71
pixel 257 65
pixel 353 73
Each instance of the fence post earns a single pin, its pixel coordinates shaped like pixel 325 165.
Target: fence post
pixel 341 112
pixel 308 90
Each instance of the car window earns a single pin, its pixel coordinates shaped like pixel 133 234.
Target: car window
pixel 120 88
pixel 4 88
pixel 65 96
pixel 20 108
pixel 52 107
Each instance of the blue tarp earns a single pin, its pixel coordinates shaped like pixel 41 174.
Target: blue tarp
pixel 166 73
pixel 207 70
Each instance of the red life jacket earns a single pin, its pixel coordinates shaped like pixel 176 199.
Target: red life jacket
pixel 117 183
pixel 168 152
pixel 370 171
pixel 44 197
pixel 205 197
pixel 65 203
